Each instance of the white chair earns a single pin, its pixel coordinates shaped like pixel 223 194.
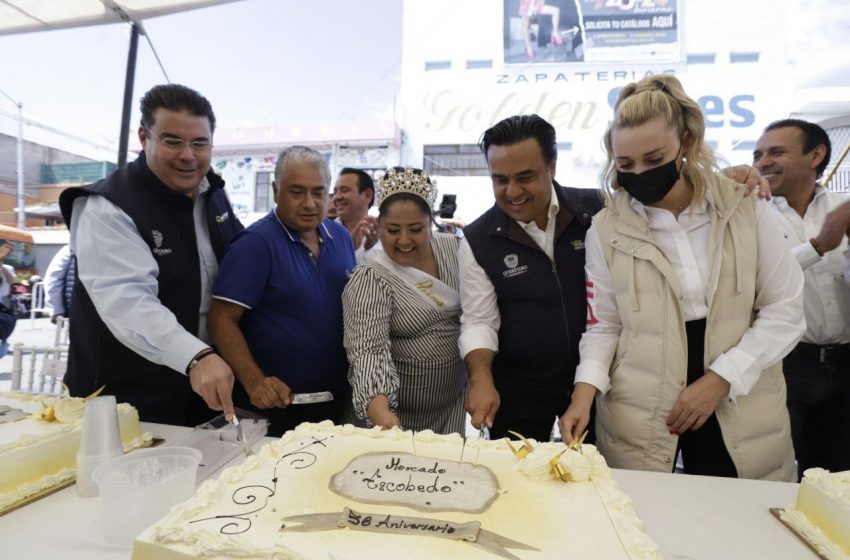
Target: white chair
pixel 38 302
pixel 38 369
pixel 63 331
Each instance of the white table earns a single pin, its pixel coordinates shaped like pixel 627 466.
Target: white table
pixel 690 517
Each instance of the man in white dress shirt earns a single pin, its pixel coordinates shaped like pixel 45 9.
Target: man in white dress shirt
pixel 792 154
pixel 59 282
pixel 354 194
pixel 148 240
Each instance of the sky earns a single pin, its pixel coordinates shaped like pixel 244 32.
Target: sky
pixel 259 62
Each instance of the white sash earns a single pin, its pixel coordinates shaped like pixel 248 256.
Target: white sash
pixel 440 295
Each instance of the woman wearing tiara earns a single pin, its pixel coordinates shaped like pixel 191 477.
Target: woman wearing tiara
pixel 401 316
pixel 693 297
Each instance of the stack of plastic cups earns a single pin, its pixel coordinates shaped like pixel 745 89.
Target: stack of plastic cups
pixel 100 441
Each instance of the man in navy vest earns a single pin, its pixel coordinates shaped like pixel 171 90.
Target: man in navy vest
pixel 148 240
pixel 523 287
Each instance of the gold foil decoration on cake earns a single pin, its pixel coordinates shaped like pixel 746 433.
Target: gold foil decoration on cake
pixel 522 451
pixel 48 413
pixel 558 469
pixel 575 445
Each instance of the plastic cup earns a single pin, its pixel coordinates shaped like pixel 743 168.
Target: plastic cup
pixel 100 441
pixel 86 487
pixel 141 487
pixel 101 435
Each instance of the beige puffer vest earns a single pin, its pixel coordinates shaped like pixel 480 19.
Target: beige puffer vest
pixel 649 368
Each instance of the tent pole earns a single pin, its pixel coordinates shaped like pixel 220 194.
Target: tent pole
pixel 129 78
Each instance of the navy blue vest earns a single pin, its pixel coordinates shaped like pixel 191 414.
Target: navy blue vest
pixel 68 279
pixel 542 304
pixel 164 219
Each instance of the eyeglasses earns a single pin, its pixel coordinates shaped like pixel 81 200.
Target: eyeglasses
pixel 177 144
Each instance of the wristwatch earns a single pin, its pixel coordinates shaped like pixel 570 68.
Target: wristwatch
pixel 198 357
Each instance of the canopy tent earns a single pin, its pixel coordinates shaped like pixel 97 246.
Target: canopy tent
pixel 27 16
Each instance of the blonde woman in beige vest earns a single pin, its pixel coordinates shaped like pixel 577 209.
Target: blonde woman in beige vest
pixel 693 300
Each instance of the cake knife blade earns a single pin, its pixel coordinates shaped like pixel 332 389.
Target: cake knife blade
pixel 240 436
pixel 311 398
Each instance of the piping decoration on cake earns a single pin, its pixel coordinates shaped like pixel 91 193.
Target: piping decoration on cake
pixel 250 495
pixel 552 461
pixel 470 532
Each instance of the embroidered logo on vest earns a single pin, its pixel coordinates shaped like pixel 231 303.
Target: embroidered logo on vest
pixel 512 263
pixel 157 239
pixel 223 218
pixel 578 244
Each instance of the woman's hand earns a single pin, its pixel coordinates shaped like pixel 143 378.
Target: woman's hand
pixel 696 403
pixel 575 420
pixel 379 413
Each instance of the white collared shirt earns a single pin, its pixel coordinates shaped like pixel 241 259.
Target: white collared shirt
pixel 480 320
pixel 826 295
pixel 120 275
pixel 779 318
pixel 54 280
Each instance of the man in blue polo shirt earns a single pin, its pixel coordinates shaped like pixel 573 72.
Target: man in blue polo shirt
pixel 276 316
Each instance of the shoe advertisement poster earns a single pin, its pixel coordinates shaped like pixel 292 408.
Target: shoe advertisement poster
pixel 596 31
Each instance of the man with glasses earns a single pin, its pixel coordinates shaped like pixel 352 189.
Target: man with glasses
pixel 148 240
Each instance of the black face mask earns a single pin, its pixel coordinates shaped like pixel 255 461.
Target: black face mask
pixel 653 184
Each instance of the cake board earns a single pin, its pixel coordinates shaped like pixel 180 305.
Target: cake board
pixel 777 512
pixel 61 485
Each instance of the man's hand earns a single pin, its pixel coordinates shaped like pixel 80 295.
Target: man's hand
pixel 213 379
pixel 269 392
pixel 482 398
pixel 750 177
pixel 696 403
pixel 5 249
pixel 482 402
pixel 379 413
pixel 836 225
pixel 365 233
pixel 575 420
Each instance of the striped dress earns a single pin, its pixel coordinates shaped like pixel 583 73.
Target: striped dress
pixel 401 346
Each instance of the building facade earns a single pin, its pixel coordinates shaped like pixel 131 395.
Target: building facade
pixel 466 65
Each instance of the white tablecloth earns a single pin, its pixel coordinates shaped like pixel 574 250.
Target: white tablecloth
pixel 690 517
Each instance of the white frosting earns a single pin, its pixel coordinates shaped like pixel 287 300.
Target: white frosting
pixel 578 465
pixel 821 514
pixel 36 454
pixel 240 514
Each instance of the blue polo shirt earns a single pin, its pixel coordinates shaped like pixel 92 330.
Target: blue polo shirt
pixel 293 322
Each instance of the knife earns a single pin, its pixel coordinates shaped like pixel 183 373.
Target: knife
pixel 311 398
pixel 240 437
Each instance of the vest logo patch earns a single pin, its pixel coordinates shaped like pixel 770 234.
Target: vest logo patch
pixel 157 240
pixel 578 244
pixel 223 218
pixel 513 269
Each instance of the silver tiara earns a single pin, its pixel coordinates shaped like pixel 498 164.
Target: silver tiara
pixel 407 181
